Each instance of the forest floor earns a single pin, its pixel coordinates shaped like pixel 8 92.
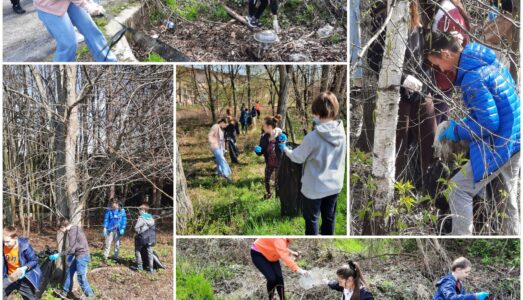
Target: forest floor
pixel 236 208
pixel 115 280
pixel 205 32
pixel 227 268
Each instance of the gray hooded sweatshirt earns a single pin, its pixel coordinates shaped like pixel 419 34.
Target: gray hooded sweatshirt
pixel 322 153
pixel 145 221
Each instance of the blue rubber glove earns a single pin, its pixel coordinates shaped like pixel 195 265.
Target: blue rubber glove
pixel 282 138
pixel 24 270
pixel 282 146
pixel 482 295
pixel 449 132
pixel 54 257
pixel 121 231
pixel 105 232
pixel 258 149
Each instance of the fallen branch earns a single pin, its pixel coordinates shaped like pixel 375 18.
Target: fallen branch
pixel 236 16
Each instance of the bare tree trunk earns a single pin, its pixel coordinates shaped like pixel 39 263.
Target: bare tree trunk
pixel 284 92
pixel 184 210
pixel 325 70
pixel 232 75
pixel 248 71
pixel 212 101
pixel 383 165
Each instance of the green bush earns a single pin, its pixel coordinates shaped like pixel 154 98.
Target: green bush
pixel 191 285
pixel 496 252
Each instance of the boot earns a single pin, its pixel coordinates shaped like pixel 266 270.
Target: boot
pixel 18 9
pixel 137 267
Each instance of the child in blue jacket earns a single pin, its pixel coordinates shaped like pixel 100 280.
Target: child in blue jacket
pixel 115 221
pixel 450 286
pixel 492 127
pixel 21 261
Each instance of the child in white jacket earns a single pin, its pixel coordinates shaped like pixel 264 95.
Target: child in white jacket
pixel 322 153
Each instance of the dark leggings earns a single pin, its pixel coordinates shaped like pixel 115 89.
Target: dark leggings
pixel 257 12
pixel 272 272
pixel 268 174
pixel 416 125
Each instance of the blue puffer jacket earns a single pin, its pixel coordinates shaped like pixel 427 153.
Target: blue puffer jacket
pixel 447 290
pixel 27 257
pixel 490 95
pixel 115 219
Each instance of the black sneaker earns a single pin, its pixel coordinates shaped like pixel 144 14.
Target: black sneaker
pixel 252 22
pixel 61 294
pixel 18 9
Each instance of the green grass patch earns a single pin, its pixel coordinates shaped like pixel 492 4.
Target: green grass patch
pixel 155 57
pixel 191 284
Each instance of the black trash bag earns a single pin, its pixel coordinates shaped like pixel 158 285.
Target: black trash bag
pixel 47 268
pixel 157 264
pixel 289 185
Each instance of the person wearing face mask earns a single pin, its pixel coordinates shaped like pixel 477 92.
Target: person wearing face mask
pixel 450 286
pixel 351 283
pixel 269 148
pixel 491 127
pixel 217 144
pixel 322 153
pixel 21 270
pixel 266 254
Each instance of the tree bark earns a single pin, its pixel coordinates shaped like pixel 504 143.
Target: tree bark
pixel 284 92
pixel 212 101
pixel 184 209
pixel 384 151
pixel 325 70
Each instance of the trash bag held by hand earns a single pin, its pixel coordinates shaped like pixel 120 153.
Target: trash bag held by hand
pixel 289 185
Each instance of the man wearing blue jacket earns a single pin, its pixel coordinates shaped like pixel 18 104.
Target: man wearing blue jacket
pixel 115 221
pixel 21 269
pixel 492 127
pixel 450 286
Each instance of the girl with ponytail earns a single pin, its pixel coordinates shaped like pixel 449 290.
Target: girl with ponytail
pixel 351 283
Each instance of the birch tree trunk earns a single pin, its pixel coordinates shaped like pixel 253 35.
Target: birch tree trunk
pixel 184 209
pixel 388 97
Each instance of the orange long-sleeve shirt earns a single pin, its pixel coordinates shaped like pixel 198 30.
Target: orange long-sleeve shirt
pixel 274 249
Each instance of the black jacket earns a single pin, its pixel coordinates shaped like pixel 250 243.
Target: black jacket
pixel 364 293
pixel 231 131
pixel 264 144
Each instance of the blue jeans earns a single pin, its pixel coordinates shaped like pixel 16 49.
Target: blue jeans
pixel 79 266
pixel 62 30
pixel 222 167
pixel 312 208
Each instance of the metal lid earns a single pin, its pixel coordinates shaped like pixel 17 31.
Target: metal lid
pixel 266 37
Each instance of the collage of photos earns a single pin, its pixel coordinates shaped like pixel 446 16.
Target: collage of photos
pixel 317 149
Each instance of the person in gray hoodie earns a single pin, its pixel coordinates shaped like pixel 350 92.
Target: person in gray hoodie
pixel 322 153
pixel 145 238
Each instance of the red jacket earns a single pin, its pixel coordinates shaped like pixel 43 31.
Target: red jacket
pixel 442 22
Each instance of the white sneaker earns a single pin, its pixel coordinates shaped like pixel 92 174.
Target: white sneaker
pixel 79 37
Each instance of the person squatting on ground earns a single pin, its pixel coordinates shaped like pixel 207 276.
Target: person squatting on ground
pixel 492 128
pixel 255 13
pixel 269 147
pixel 145 238
pixel 217 144
pixel 322 153
pixel 244 120
pixel 231 131
pixel 21 270
pixel 450 286
pixel 351 283
pixel 115 221
pixel 77 258
pixel 61 16
pixel 265 254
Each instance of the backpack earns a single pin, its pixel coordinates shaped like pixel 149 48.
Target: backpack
pixel 148 237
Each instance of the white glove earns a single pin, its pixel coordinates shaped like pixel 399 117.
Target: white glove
pixel 458 36
pixel 275 25
pixel 93 9
pixel 412 83
pixel 303 272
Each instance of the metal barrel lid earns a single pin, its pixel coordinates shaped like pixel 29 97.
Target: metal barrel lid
pixel 266 37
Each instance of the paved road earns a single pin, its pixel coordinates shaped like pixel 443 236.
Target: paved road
pixel 24 36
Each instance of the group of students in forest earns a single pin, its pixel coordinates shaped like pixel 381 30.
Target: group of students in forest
pixel 441 55
pixel 266 254
pixel 21 264
pixel 322 154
